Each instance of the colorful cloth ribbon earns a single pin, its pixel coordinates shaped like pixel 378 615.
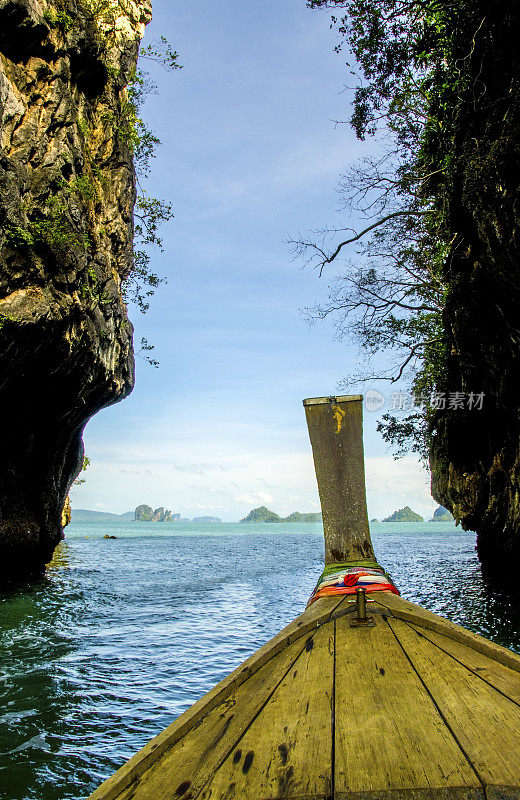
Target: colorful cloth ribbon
pixel 346 578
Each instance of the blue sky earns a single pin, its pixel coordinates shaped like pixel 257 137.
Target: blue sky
pixel 250 157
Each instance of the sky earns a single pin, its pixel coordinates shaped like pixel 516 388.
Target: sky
pixel 250 157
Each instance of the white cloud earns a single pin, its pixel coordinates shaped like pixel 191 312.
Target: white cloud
pixel 265 496
pixel 199 469
pixel 233 485
pixel 254 497
pixel 240 457
pixel 244 498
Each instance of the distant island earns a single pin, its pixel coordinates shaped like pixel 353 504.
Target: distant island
pixel 404 515
pixel 442 514
pixel 142 513
pixel 263 514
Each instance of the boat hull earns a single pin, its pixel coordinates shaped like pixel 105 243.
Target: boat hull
pixel 413 706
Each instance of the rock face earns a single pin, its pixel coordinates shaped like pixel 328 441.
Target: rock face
pixel 66 514
pixel 162 515
pixel 66 202
pixel 475 457
pixel 144 513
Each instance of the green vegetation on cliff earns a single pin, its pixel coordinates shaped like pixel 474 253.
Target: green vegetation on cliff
pixel 434 273
pixel 404 515
pixel 263 514
pixel 67 190
pixel 76 228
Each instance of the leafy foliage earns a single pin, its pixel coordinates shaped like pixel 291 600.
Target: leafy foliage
pixel 86 464
pixel 149 212
pixel 133 132
pixel 145 349
pixel 52 226
pixel 59 19
pixel 391 296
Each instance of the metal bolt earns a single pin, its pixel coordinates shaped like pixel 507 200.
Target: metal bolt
pixel 361 604
pixel 361 620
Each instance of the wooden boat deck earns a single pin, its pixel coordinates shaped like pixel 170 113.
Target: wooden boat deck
pixel 414 707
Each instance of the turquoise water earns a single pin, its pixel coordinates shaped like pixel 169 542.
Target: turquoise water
pixel 123 635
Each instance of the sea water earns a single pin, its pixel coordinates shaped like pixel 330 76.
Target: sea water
pixel 122 635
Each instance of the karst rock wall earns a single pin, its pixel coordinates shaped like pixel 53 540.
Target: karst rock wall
pixel 475 454
pixel 67 191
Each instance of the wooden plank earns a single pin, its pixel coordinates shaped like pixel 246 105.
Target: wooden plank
pixel 183 770
pixel 288 748
pixel 503 678
pixel 303 625
pixel 411 612
pixel 390 740
pixel 336 434
pixel 485 723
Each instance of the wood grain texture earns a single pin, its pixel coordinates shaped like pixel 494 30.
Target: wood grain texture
pixel 183 770
pixel 336 434
pixel 145 759
pixel 411 612
pixel 288 748
pixel 485 723
pixel 390 740
pixel 424 710
pixel 503 678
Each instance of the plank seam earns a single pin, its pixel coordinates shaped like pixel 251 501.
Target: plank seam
pixel 245 730
pixel 154 750
pixel 462 664
pixel 338 609
pixel 452 630
pixel 463 751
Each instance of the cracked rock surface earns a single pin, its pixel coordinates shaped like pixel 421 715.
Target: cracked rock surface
pixel 475 453
pixel 67 191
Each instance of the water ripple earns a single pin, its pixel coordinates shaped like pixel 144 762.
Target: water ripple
pixel 122 636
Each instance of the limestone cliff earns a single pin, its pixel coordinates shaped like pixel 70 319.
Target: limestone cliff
pixel 144 513
pixel 66 513
pixel 66 227
pixel 475 455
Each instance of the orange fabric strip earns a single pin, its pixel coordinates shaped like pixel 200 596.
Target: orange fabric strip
pixel 327 591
